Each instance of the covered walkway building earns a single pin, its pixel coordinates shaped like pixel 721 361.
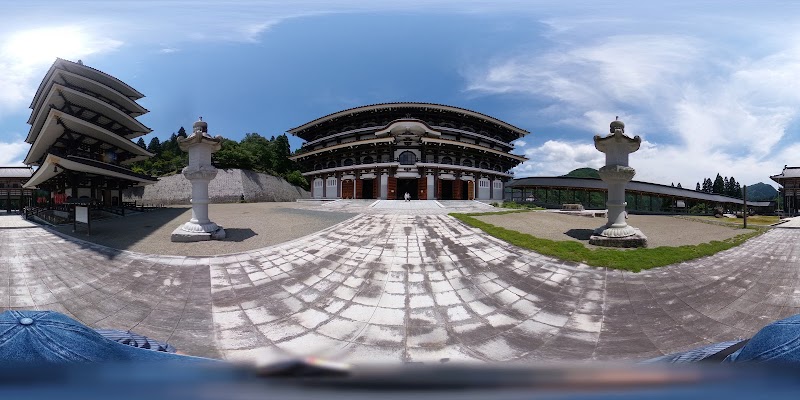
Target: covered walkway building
pixel 552 192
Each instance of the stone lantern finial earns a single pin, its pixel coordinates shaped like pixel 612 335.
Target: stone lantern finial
pixel 617 124
pixel 200 127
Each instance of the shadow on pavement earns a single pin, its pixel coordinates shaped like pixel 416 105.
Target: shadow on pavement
pixel 238 234
pixel 580 234
pixel 108 232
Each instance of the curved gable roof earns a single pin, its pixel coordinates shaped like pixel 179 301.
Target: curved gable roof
pixel 379 106
pixel 87 72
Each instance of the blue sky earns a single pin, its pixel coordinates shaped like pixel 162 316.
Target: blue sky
pixel 711 86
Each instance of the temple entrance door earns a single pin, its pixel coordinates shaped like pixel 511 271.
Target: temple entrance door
pixel 447 190
pixel 366 189
pixel 465 190
pixel 407 185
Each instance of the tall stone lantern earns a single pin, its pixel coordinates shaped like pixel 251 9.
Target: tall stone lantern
pixel 616 173
pixel 200 145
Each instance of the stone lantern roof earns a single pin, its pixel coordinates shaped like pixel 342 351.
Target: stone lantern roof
pixel 200 134
pixel 617 141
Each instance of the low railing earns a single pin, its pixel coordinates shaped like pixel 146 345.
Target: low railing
pixel 47 215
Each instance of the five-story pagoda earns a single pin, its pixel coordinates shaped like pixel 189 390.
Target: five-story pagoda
pixel 82 125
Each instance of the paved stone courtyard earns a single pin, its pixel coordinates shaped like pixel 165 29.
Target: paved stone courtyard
pixel 403 286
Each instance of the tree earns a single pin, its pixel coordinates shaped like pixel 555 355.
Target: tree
pixel 281 152
pixel 697 188
pixel 732 188
pixel 707 185
pixel 154 146
pixel 259 150
pixel 141 144
pixel 232 155
pixel 718 186
pixel 297 178
pixel 182 132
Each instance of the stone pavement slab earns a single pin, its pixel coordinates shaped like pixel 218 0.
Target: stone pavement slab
pixel 9 221
pixel 405 288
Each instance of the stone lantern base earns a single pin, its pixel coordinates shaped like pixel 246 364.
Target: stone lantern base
pixel 183 235
pixel 638 239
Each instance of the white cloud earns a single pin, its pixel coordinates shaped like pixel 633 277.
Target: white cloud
pixel 557 158
pixel 12 153
pixel 168 50
pixel 25 55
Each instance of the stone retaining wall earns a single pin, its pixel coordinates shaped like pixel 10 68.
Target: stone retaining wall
pixel 227 187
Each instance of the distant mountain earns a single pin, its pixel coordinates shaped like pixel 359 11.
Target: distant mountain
pixel 761 192
pixel 583 173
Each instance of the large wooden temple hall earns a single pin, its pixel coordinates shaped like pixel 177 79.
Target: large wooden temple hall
pixel 82 125
pixel 430 151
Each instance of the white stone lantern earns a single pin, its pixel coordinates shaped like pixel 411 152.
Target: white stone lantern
pixel 200 145
pixel 616 173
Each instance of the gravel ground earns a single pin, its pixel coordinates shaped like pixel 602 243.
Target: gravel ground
pixel 661 230
pixel 248 226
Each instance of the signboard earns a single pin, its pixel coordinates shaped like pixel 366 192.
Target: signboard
pixel 82 214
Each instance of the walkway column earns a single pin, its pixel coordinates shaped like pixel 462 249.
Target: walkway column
pixel 199 172
pixel 616 174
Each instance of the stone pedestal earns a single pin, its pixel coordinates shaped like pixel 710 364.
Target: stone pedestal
pixel 200 145
pixel 616 174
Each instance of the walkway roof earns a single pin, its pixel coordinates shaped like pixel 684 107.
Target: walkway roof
pixel 564 182
pixel 16 172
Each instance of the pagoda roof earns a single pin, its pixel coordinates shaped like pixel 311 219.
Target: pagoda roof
pixel 16 172
pixel 54 125
pixel 88 72
pixel 54 165
pixel 385 106
pixel 787 173
pixel 105 93
pixel 109 114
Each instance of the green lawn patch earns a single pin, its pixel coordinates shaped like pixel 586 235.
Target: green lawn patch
pixel 760 220
pixel 633 260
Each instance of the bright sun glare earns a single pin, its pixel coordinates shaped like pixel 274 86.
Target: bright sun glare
pixel 43 45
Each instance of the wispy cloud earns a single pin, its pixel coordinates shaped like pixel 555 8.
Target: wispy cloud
pixel 704 108
pixel 12 153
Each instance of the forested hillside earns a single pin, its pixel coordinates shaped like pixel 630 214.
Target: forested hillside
pixel 254 152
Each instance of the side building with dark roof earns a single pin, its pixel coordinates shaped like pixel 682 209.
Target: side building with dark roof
pixel 789 178
pixel 83 122
pixel 430 151
pixel 12 196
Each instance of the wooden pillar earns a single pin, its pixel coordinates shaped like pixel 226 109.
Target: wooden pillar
pixel 392 188
pixel 359 190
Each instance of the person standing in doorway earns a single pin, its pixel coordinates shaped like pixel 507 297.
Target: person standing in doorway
pixel 407 196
